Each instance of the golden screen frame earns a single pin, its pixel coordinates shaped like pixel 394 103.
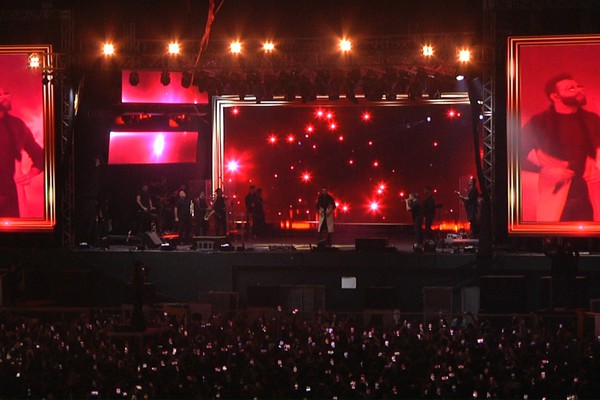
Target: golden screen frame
pixel 32 101
pixel 532 61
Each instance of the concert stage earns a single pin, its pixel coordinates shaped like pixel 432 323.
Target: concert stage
pixel 355 274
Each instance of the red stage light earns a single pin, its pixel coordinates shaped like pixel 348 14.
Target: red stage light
pixel 333 126
pixel 233 166
pixel 329 115
pixel 306 177
pixel 376 163
pixel 435 144
pixel 291 138
pixel 235 111
pixel 319 113
pixel 272 139
pixel 374 206
pixel 366 116
pixel 351 162
pixel 341 138
pixel 310 129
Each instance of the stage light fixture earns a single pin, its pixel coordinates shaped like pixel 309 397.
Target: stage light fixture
pixel 186 78
pixel 134 78
pixel 427 51
pixel 464 56
pixel 108 49
pixel 165 78
pixel 235 47
pixel 345 45
pixel 268 47
pixel 174 48
pixel 34 60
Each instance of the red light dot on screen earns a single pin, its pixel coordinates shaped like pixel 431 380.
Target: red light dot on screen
pixel 235 111
pixel 351 162
pixel 370 143
pixel 345 208
pixel 291 138
pixel 319 113
pixel 366 116
pixel 376 163
pixel 299 200
pixel 451 114
pixel 275 175
pixel 291 167
pixel 333 126
pixel 434 190
pixel 341 138
pixel 314 146
pixel 306 177
pixel 435 144
pixel 374 206
pixel 310 129
pixel 379 191
pixel 329 115
pixel 272 139
pixel 401 194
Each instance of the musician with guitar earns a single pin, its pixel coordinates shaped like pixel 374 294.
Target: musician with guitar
pixel 146 213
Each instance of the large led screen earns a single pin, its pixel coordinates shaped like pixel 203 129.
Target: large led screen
pixel 164 147
pixel 553 129
pixel 27 193
pixel 369 155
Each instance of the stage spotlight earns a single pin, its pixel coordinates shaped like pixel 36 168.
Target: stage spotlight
pixel 108 49
pixel 165 78
pixel 34 60
pixel 186 78
pixel 235 47
pixel 345 45
pixel 464 55
pixel 174 48
pixel 134 78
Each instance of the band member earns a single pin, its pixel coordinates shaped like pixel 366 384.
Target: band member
pixel 325 207
pixel 250 202
pixel 219 208
pixel 259 214
pixel 201 206
pixel 429 207
pixel 414 205
pixel 145 211
pixel 184 213
pixel 471 201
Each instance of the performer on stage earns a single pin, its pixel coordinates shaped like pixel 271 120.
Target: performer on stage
pixel 184 214
pixel 201 206
pixel 145 218
pixel 429 207
pixel 220 213
pixel 259 214
pixel 414 205
pixel 325 207
pixel 471 201
pixel 250 202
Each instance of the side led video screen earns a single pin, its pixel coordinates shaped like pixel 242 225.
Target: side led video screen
pixel 553 135
pixel 27 187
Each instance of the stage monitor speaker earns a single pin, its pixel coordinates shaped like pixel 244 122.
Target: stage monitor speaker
pixel 371 244
pixel 151 239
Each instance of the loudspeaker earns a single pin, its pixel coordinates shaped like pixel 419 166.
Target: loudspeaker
pixel 370 244
pixel 151 239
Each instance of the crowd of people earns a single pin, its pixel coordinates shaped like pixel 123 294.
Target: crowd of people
pixel 284 355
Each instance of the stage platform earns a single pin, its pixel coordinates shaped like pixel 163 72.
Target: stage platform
pixel 378 270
